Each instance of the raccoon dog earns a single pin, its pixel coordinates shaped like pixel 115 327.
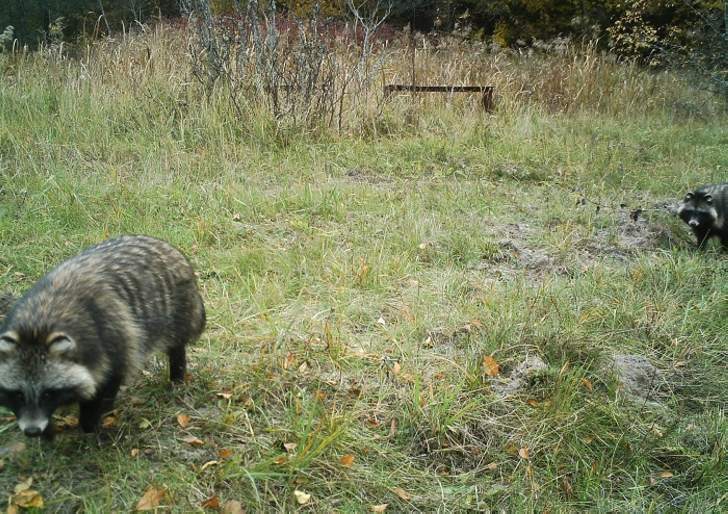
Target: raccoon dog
pixel 86 326
pixel 705 210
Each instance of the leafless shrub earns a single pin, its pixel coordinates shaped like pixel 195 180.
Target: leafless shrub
pixel 306 75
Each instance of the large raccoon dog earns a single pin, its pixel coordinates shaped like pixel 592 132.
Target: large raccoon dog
pixel 86 326
pixel 705 210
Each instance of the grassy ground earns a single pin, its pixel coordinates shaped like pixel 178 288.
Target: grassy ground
pixel 355 283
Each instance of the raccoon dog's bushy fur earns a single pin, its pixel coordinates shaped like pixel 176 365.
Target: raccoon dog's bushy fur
pixel 86 326
pixel 705 210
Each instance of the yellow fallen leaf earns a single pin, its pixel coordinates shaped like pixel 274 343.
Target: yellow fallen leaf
pixel 491 366
pixel 233 507
pixel 194 441
pixel 225 395
pixel 24 485
pixel 145 423
pixel 492 466
pixel 396 368
pixel 587 383
pixel 183 420
pixel 523 452
pixel 346 460
pixel 665 474
pixel 109 422
pixel 211 503
pixel 533 403
pixel 404 495
pixel 27 499
pixel 208 464
pixel 301 497
pixel 280 460
pixel 134 452
pixel 152 498
pixel 379 508
pixel 224 453
pixel 290 446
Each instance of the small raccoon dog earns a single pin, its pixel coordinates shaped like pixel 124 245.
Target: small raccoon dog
pixel 83 329
pixel 705 210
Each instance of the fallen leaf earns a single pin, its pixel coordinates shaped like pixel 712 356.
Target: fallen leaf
pixel 183 420
pixel 134 452
pixel 404 495
pixel 232 507
pixel 290 360
pixel 145 423
pixel 208 464
pixel 665 474
pixel 396 368
pixel 194 441
pixel 152 498
pixel 393 428
pixel 212 502
pixel 289 447
pixel 491 366
pixel 280 460
pixel 109 422
pixel 27 499
pixel 533 403
pixel 224 453
pixel 301 497
pixel 381 321
pixel 587 383
pixel 379 508
pixel 237 217
pixel 566 487
pixel 523 452
pixel 225 395
pixel 346 460
pixel 303 367
pixel 24 485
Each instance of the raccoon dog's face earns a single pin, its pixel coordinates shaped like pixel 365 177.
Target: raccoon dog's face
pixel 37 375
pixel 697 210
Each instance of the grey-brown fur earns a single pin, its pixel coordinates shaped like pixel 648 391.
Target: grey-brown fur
pixel 705 210
pixel 6 302
pixel 85 327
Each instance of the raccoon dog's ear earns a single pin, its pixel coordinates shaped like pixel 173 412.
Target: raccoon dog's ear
pixel 60 344
pixel 8 342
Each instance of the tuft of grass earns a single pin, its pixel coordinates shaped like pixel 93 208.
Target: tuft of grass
pixel 356 280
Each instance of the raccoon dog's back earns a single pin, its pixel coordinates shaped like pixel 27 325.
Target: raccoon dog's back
pixel 91 321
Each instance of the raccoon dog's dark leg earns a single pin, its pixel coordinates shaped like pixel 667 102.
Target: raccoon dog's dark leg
pixel 702 236
pixel 90 411
pixel 177 363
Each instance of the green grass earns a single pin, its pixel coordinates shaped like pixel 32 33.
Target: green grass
pixel 354 284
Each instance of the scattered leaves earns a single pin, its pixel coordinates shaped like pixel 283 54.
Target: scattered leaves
pixel 134 452
pixel 212 502
pixel 404 495
pixel 523 452
pixel 301 497
pixel 665 474
pixel 232 507
pixel 145 423
pixel 379 508
pixel 152 498
pixel 587 383
pixel 346 460
pixel 280 460
pixel 492 466
pixel 225 395
pixel 396 368
pixel 224 453
pixel 194 441
pixel 491 366
pixel 183 420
